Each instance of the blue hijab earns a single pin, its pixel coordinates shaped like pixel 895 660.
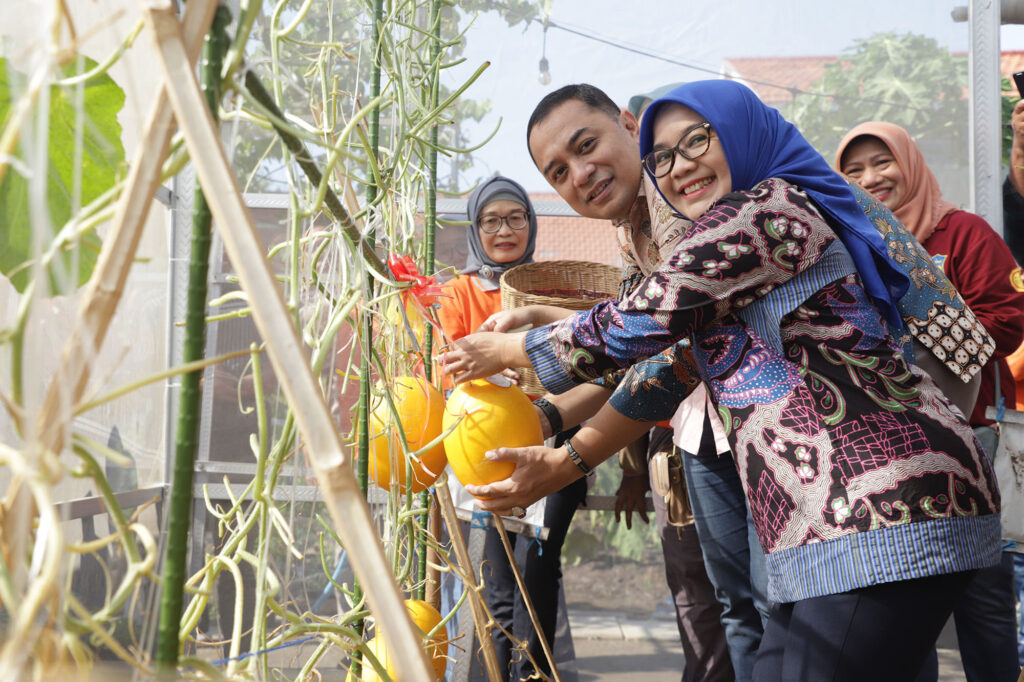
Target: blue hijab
pixel 760 144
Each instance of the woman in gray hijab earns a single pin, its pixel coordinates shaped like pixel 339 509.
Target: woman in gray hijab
pixel 501 235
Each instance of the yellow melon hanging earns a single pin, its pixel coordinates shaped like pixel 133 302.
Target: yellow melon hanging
pixel 426 618
pixel 420 408
pixel 495 417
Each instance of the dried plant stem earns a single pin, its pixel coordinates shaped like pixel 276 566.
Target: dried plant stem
pixel 347 507
pixel 476 602
pixel 510 553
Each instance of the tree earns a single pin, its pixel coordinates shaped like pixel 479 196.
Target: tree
pixel 906 79
pixel 331 33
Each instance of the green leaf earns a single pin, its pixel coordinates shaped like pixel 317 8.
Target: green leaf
pixel 93 107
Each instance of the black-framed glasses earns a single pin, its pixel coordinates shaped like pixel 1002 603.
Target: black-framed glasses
pixel 694 143
pixel 517 220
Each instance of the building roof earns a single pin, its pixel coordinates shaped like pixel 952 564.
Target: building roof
pixel 774 79
pixel 562 234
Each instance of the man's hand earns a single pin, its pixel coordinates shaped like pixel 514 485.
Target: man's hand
pixel 539 472
pixel 482 354
pixel 632 497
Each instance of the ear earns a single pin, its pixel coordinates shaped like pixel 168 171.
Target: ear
pixel 629 122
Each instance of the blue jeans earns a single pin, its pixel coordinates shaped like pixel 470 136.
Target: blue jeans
pixel 1018 586
pixel 985 618
pixel 732 553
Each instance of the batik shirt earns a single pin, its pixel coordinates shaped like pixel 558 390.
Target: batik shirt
pixel 933 311
pixel 856 468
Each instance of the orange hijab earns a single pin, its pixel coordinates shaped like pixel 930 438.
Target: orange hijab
pixel 923 206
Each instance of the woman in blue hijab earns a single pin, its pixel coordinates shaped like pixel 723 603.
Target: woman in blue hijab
pixel 871 498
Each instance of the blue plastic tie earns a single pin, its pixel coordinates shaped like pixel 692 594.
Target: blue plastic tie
pixel 479 520
pixel 536 539
pixel 1002 408
pixel 222 661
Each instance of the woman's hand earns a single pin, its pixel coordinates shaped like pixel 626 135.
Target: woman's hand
pixel 539 472
pixel 532 315
pixel 483 354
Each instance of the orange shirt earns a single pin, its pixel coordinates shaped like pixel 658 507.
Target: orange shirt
pixel 465 305
pixel 1016 363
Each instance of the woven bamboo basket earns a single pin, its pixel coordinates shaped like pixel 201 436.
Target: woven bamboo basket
pixel 572 284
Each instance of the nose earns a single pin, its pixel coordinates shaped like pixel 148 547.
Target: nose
pixel 869 177
pixel 681 165
pixel 504 228
pixel 581 171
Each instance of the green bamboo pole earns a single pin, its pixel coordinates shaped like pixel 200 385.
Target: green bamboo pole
pixel 429 228
pixel 168 642
pixel 366 331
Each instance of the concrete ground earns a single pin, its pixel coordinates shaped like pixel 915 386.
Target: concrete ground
pixel 610 646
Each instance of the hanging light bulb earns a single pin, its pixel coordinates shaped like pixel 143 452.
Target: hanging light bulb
pixel 545 74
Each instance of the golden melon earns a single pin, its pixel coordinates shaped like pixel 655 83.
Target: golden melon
pixel 420 408
pixel 495 417
pixel 426 618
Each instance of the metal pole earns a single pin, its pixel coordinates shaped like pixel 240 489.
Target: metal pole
pixel 984 122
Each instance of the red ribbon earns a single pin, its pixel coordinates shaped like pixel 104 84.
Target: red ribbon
pixel 424 289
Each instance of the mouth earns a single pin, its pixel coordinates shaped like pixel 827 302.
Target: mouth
pixel 880 193
pixel 599 191
pixel 696 187
pixel 506 245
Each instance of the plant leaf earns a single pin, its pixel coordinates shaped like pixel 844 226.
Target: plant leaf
pixel 101 161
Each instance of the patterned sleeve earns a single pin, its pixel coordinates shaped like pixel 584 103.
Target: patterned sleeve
pixel 739 251
pixel 651 390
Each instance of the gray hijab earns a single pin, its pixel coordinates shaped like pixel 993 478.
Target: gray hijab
pixel 477 261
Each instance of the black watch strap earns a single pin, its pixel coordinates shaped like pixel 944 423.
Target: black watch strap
pixel 552 413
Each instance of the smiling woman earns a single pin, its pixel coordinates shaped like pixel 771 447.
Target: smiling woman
pixel 787 295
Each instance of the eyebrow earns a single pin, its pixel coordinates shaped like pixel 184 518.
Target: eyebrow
pixel 572 141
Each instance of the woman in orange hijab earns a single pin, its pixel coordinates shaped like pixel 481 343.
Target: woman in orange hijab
pixel 888 163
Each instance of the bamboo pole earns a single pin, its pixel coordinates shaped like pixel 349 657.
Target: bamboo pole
pixel 500 525
pixel 365 323
pixel 180 501
pixel 429 229
pixel 481 620
pixel 348 509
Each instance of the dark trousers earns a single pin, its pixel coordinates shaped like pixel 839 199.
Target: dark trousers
pixel 882 633
pixel 540 563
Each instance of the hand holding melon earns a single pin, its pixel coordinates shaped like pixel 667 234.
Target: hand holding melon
pixel 493 417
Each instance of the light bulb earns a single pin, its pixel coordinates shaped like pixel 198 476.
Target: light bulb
pixel 545 75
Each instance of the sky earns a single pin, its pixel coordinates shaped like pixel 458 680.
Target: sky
pixel 701 34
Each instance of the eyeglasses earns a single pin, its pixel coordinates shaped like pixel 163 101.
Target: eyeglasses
pixel 515 221
pixel 694 143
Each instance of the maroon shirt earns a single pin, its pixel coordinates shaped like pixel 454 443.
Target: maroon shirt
pixel 979 264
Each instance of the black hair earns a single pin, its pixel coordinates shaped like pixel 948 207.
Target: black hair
pixel 592 96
